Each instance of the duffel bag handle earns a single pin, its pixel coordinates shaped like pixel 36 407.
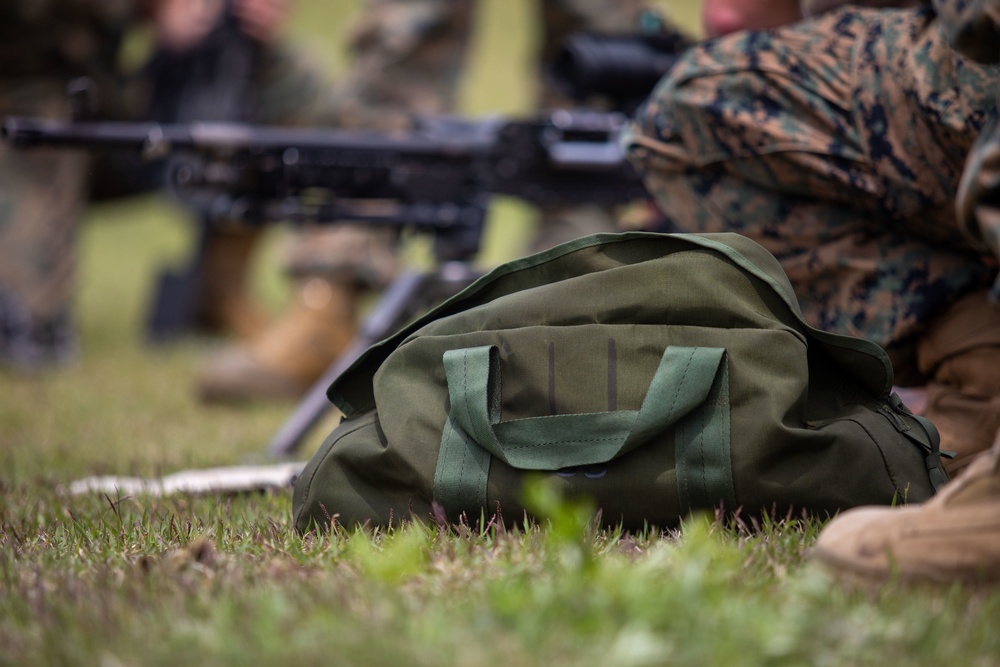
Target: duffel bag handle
pixel 682 382
pixel 689 392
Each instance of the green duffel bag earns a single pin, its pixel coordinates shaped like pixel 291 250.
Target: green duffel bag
pixel 656 374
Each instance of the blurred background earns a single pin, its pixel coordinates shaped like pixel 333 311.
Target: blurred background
pixel 128 408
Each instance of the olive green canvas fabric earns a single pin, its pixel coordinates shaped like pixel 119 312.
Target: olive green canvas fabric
pixel 657 374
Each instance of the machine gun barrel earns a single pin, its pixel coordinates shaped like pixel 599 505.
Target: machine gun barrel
pixel 31 132
pixel 559 158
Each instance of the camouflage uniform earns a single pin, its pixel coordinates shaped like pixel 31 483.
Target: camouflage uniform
pixel 837 143
pixel 408 58
pixel 44 44
pixel 955 537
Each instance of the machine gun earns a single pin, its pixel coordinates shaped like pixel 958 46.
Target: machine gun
pixel 262 174
pixel 437 178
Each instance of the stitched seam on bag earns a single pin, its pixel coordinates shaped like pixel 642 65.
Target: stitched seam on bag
pixel 726 406
pixel 881 453
pixel 481 490
pixel 465 405
pixel 447 434
pixel 680 384
pixel 449 430
pixel 465 389
pixel 559 442
pixel 683 483
pixel 466 458
pixel 461 474
pixel 564 416
pixel 701 452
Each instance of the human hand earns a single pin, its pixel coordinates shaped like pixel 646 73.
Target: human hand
pixel 974 28
pixel 262 20
pixel 978 199
pixel 181 24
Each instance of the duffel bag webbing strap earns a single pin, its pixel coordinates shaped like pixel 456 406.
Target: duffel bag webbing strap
pixel 702 452
pixel 926 436
pixel 689 385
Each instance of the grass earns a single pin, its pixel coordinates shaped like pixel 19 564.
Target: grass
pixel 100 580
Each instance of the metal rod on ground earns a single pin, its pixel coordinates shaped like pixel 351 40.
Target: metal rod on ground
pixel 409 294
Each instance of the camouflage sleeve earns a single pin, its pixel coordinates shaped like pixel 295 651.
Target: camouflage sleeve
pixel 730 142
pixel 972 27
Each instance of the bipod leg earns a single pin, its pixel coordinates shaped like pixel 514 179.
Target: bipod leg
pixel 174 304
pixel 410 294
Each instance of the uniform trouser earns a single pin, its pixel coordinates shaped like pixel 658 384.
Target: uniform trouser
pixel 42 197
pixel 43 192
pixel 838 144
pixel 409 56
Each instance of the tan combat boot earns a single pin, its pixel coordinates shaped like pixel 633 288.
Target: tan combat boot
pixel 225 305
pixel 960 352
pixel 287 358
pixel 952 538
